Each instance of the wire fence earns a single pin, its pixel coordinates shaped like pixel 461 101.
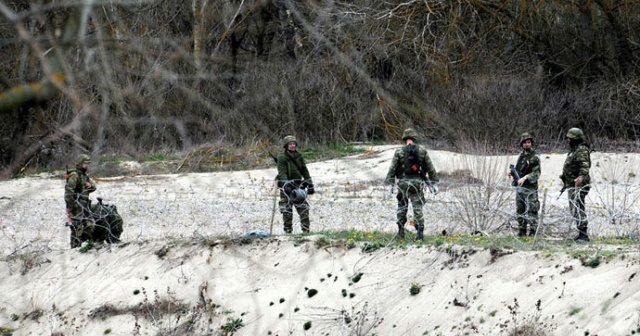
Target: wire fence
pixel 152 209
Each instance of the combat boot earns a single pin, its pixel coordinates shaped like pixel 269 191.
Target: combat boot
pixel 401 231
pixel 420 234
pixel 522 232
pixel 582 235
pixel 287 220
pixel 305 226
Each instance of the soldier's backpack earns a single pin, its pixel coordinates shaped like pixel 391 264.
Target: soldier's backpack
pixel 411 164
pixel 108 223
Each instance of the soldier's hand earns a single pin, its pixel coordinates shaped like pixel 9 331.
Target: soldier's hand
pixel 578 181
pixel 87 184
pixel 310 190
pixel 521 181
pixel 434 189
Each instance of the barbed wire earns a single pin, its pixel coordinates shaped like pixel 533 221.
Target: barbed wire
pixel 151 211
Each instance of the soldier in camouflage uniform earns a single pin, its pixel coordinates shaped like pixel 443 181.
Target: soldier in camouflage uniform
pixel 575 177
pixel 295 184
pixel 528 169
pixel 76 198
pixel 411 178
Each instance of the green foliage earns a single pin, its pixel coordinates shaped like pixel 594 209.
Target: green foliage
pixel 322 241
pixel 414 288
pixel 232 325
pixel 107 331
pixel 156 157
pixel 87 247
pixel 573 310
pixel 357 277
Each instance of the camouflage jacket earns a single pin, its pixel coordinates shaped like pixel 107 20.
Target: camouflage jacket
pixel 77 190
pixel 396 171
pixel 291 166
pixel 528 165
pixel 577 163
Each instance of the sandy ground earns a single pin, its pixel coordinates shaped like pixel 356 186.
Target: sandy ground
pixel 155 284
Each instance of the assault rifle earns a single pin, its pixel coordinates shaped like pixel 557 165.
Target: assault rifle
pixel 514 175
pixel 564 186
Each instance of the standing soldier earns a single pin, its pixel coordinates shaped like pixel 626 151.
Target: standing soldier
pixel 410 166
pixel 528 169
pixel 76 198
pixel 295 184
pixel 575 177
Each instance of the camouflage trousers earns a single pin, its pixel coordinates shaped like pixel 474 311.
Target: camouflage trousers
pixel 82 226
pixel 410 193
pixel 286 205
pixel 577 208
pixel 527 207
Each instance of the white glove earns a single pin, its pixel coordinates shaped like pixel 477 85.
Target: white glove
pixel 434 189
pixel 389 193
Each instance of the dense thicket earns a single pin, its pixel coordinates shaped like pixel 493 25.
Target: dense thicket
pixel 156 76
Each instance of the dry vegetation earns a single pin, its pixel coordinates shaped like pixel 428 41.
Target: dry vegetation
pixel 134 79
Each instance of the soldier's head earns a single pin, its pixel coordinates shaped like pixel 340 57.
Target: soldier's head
pixel 410 133
pixel 83 161
pixel 575 136
pixel 290 143
pixel 526 140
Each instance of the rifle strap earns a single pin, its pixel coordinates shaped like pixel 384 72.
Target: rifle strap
pixel 286 153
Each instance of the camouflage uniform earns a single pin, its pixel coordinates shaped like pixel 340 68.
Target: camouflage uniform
pixel 293 176
pixel 410 186
pixel 527 203
pixel 577 164
pixel 76 197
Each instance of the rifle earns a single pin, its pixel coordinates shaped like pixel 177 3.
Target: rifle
pixel 514 175
pixel 564 187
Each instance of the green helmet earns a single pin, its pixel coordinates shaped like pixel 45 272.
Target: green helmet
pixel 288 139
pixel 409 133
pixel 575 133
pixel 525 136
pixel 82 158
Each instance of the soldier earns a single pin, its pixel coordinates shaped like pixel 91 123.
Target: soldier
pixel 410 166
pixel 575 177
pixel 76 198
pixel 295 184
pixel 528 169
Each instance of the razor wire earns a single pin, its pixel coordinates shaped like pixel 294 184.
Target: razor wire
pixel 151 211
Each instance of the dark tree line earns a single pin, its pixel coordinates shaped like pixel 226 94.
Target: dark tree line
pixel 124 78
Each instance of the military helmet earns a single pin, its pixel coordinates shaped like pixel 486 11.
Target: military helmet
pixel 525 136
pixel 288 139
pixel 575 133
pixel 83 158
pixel 409 133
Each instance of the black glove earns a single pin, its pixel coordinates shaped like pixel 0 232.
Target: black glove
pixel 310 190
pixel 287 189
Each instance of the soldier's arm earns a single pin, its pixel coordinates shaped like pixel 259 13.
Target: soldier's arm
pixel 91 185
pixel 583 162
pixel 429 168
pixel 305 172
pixel 282 170
pixel 70 191
pixel 391 174
pixel 534 175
